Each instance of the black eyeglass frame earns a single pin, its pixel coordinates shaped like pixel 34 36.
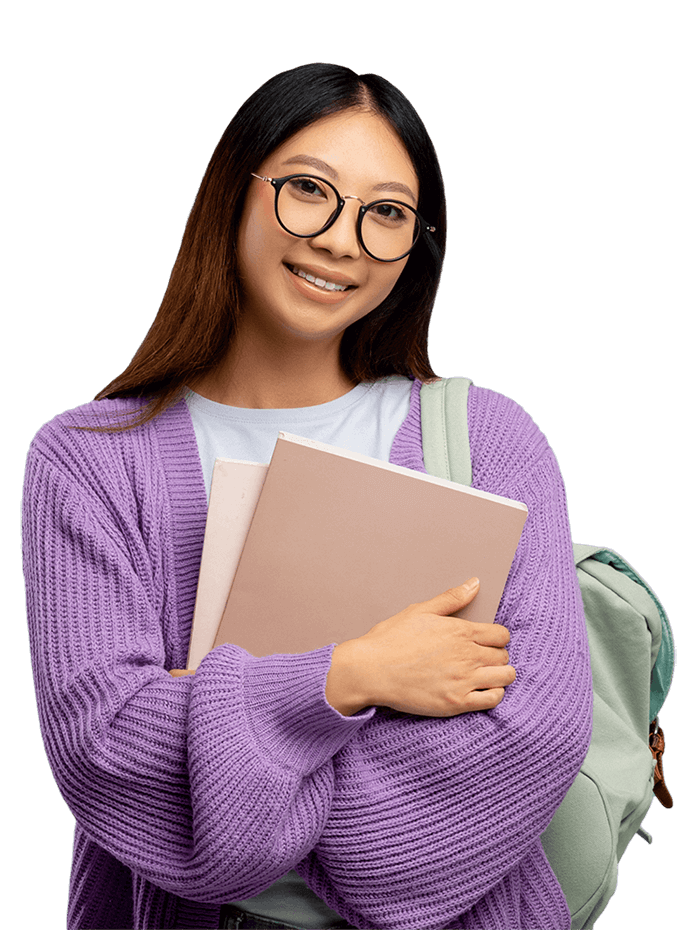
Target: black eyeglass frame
pixel 278 183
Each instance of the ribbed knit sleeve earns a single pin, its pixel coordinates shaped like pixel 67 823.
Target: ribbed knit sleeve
pixel 436 822
pixel 211 786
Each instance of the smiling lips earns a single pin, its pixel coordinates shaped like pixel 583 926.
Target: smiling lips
pixel 319 282
pixel 327 289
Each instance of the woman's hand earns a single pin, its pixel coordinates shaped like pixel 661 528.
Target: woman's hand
pixel 424 661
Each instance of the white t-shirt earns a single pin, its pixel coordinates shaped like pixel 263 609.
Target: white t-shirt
pixel 364 420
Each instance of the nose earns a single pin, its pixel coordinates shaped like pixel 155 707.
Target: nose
pixel 341 239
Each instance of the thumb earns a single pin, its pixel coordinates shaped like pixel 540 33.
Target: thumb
pixel 453 599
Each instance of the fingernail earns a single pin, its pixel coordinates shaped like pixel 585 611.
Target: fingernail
pixel 471 584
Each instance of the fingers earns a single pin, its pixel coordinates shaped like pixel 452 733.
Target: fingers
pixel 489 655
pixel 493 677
pixel 453 599
pixel 484 700
pixel 490 634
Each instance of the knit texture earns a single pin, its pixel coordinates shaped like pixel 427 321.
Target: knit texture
pixel 195 791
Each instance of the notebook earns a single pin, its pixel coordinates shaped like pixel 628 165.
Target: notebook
pixel 333 542
pixel 235 489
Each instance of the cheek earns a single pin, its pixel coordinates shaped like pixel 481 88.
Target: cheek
pixel 380 287
pixel 260 236
pixel 387 277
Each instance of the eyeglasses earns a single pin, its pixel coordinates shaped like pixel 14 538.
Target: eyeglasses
pixel 306 206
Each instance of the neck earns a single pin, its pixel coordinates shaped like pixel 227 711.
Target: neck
pixel 275 376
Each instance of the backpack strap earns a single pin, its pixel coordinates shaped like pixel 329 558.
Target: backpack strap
pixel 444 424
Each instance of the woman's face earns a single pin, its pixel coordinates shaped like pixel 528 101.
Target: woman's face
pixel 360 154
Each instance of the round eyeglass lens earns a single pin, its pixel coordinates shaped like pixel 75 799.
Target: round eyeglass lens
pixel 306 206
pixel 389 229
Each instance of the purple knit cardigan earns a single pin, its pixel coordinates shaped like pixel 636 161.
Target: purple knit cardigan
pixel 195 791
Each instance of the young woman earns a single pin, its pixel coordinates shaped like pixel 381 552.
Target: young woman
pixel 398 780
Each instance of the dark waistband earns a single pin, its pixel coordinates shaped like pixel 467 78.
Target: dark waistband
pixel 233 917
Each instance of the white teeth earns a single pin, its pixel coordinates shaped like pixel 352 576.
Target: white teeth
pixel 320 282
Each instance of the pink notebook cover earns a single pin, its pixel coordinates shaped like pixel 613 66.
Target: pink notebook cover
pixel 339 542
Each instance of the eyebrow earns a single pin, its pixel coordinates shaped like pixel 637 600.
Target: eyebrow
pixel 320 165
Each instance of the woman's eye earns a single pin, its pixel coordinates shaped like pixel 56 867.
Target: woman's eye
pixel 307 186
pixel 389 212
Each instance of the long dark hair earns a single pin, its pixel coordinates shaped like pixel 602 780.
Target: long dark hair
pixel 200 310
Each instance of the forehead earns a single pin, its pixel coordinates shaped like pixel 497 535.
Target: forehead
pixel 353 147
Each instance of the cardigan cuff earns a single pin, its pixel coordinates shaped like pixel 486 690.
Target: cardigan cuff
pixel 289 715
pixel 284 704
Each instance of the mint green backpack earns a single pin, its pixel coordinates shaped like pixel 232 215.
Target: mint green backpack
pixel 632 662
